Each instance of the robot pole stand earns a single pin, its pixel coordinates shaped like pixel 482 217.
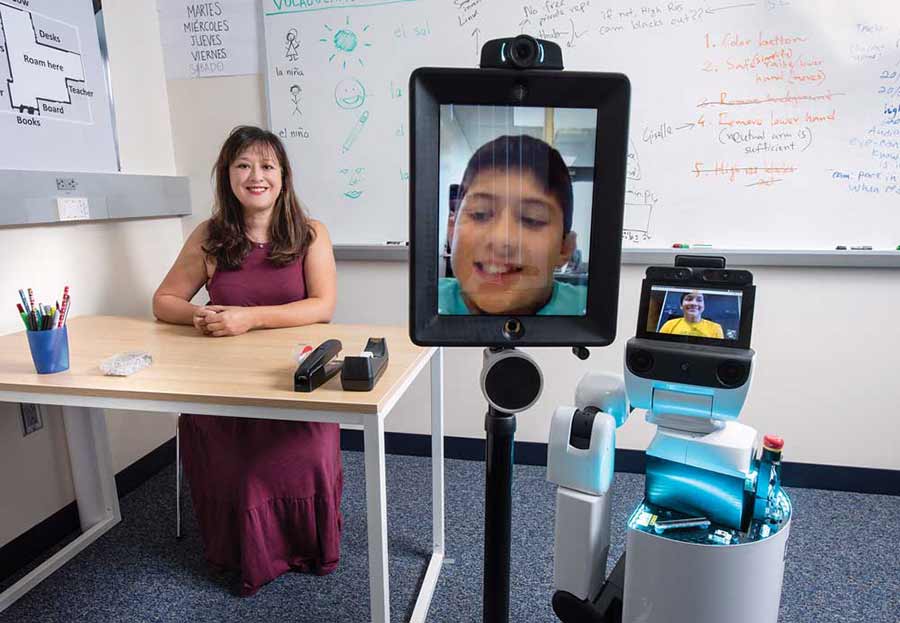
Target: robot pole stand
pixel 511 381
pixel 501 430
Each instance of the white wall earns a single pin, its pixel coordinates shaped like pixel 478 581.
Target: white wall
pixel 112 268
pixel 827 341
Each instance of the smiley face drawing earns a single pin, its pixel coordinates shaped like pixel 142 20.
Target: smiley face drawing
pixel 349 94
pixel 354 178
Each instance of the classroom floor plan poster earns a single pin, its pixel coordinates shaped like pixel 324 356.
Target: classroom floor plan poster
pixel 54 102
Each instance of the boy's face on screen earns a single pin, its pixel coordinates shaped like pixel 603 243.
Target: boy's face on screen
pixel 692 305
pixel 506 240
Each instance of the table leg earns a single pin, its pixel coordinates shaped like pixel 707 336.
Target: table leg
pixel 376 520
pixel 437 450
pixel 91 461
pixel 95 493
pixel 429 582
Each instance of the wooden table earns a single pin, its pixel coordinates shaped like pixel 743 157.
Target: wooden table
pixel 250 375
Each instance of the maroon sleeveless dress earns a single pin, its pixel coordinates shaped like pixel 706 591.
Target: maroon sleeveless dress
pixel 266 493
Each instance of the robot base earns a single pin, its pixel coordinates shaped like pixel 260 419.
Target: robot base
pixel 682 577
pixel 668 580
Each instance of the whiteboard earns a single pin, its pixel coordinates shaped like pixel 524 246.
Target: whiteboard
pixel 54 102
pixel 766 124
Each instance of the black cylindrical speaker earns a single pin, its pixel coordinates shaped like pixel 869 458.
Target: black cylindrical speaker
pixel 640 361
pixel 512 384
pixel 732 373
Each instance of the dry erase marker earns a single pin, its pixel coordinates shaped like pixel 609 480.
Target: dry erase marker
pixel 681 245
pixel 841 247
pixel 864 247
pixel 22 315
pixel 701 246
pixel 398 242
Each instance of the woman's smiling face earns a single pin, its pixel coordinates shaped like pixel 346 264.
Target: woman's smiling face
pixel 506 241
pixel 255 177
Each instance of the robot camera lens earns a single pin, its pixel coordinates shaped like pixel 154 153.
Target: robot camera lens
pixel 732 373
pixel 681 274
pixel 523 52
pixel 513 329
pixel 640 361
pixel 725 274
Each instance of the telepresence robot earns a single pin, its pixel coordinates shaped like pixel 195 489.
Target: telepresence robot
pixel 498 296
pixel 707 543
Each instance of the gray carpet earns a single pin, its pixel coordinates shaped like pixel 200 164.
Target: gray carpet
pixel 843 560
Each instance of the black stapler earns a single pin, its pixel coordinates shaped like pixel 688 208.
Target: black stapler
pixel 360 374
pixel 318 366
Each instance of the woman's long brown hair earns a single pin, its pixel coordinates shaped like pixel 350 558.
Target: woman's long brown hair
pixel 290 232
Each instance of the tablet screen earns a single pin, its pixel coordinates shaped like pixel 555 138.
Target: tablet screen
pixel 516 194
pixel 707 313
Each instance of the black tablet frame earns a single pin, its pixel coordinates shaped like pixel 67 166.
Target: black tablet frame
pixel 607 93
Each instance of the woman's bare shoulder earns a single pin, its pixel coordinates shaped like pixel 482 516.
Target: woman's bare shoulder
pixel 319 228
pixel 200 234
pixel 195 244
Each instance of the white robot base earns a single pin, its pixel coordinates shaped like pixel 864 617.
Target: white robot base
pixel 669 579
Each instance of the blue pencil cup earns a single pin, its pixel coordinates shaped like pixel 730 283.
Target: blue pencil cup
pixel 49 350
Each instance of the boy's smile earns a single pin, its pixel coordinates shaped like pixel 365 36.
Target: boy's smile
pixel 506 242
pixel 497 273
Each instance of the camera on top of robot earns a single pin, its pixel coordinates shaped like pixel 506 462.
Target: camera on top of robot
pixel 691 355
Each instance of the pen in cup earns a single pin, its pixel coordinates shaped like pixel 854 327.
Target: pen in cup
pixel 39 317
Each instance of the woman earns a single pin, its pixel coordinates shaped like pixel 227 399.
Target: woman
pixel 266 493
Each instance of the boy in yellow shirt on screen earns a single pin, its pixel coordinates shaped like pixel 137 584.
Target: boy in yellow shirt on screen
pixel 691 323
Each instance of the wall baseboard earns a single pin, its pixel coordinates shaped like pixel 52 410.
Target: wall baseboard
pixel 21 551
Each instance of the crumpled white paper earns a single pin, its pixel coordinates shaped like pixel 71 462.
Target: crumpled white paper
pixel 126 364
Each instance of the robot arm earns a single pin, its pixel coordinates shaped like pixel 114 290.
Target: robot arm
pixel 583 438
pixel 581 461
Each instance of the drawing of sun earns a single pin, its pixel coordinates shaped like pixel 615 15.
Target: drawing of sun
pixel 348 43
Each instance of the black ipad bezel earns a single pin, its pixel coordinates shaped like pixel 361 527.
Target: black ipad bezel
pixel 609 95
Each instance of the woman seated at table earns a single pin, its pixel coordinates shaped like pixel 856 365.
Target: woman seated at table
pixel 266 493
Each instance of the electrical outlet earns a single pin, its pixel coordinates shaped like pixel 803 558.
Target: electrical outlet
pixel 66 183
pixel 73 208
pixel 32 420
